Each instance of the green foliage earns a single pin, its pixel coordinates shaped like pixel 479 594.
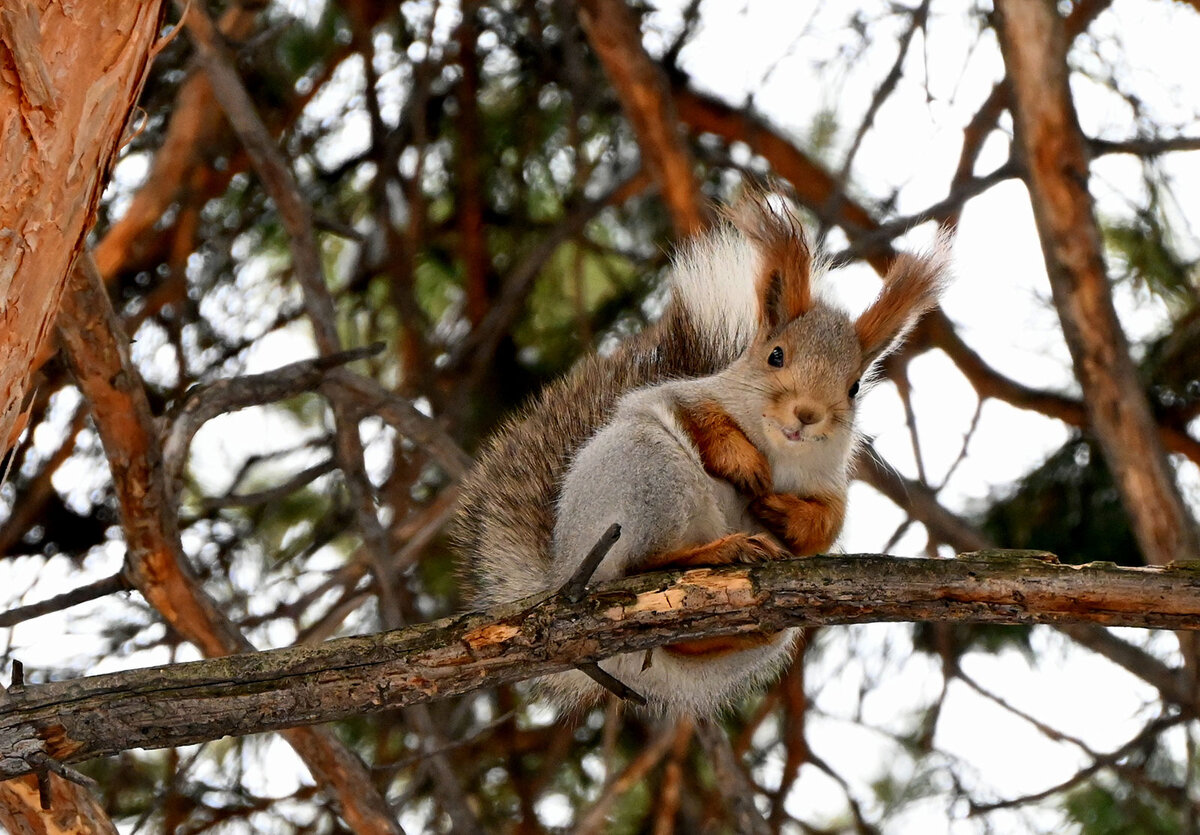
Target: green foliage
pixel 1143 249
pixel 1068 506
pixel 1120 810
pixel 823 132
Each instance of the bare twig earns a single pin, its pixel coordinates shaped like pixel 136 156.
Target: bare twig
pixel 611 683
pixel 917 19
pixel 368 396
pixel 205 402
pixel 100 588
pixel 1144 146
pixel 40 761
pixel 1145 735
pixel 573 589
pixel 272 494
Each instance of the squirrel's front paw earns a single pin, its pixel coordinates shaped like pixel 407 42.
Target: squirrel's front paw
pixel 808 525
pixel 774 510
pixel 751 481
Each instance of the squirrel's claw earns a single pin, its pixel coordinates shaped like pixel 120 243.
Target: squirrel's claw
pixel 761 547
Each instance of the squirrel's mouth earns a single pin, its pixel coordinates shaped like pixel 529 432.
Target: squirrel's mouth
pixel 792 434
pixel 796 434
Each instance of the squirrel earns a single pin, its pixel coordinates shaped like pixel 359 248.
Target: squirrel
pixel 725 432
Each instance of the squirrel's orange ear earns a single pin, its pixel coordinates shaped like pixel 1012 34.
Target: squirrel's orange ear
pixel 784 282
pixel 911 287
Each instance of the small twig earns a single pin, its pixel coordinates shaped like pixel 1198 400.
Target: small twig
pixel 45 791
pixel 207 401
pixel 165 41
pixel 271 494
pixel 18 678
pixel 610 682
pixel 368 396
pixel 101 588
pixel 574 588
pixel 44 762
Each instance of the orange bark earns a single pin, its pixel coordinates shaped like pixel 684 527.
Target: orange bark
pixel 70 74
pixel 1034 43
pixel 646 99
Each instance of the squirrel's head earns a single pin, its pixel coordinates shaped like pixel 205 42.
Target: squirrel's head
pixel 810 359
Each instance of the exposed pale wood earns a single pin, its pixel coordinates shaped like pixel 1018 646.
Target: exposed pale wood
pixel 187 703
pixel 74 810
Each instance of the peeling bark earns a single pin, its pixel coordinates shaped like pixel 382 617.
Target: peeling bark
pixel 70 74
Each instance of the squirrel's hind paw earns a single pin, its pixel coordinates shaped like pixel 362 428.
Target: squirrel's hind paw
pixel 761 547
pixel 734 548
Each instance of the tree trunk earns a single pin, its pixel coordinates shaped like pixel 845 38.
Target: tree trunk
pixel 69 76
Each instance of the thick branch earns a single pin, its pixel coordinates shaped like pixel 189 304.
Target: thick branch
pixel 188 703
pixel 96 351
pixel 70 77
pixel 646 99
pixel 1034 43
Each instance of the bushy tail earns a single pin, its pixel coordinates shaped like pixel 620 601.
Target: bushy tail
pixel 723 285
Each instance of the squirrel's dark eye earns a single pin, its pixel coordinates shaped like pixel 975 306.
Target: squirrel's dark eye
pixel 776 357
pixel 853 389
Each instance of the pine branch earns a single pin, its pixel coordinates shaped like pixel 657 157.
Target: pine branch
pixel 188 703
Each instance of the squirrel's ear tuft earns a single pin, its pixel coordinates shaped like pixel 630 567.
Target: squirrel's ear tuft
pixel 784 282
pixel 911 287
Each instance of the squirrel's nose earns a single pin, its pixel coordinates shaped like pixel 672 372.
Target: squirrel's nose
pixel 808 414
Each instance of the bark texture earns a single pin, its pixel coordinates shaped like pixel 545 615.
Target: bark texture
pixel 187 703
pixel 1034 41
pixel 70 74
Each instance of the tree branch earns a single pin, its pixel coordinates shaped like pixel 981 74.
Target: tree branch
pixel 1034 44
pixel 645 97
pixel 187 703
pixel 97 353
pixel 100 588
